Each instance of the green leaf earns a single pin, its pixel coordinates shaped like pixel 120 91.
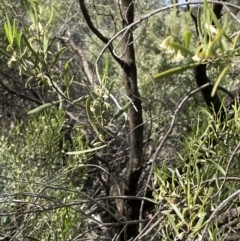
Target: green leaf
pixel 187 37
pixel 171 221
pixel 31 6
pixel 180 47
pixel 199 224
pixel 18 37
pixel 81 98
pixel 45 44
pixel 92 119
pixel 215 44
pixel 120 112
pixel 9 31
pixel 218 167
pixel 177 211
pixel 210 191
pixel 207 20
pixel 220 77
pixel 216 22
pixel 51 17
pixel 105 73
pixel 207 15
pixel 199 23
pixel 30 47
pixel 42 107
pixel 5 53
pixel 235 41
pixel 173 71
pixel 58 56
pixel 85 151
pixel 66 77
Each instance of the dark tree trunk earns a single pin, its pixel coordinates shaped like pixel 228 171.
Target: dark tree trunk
pixel 134 167
pixel 213 102
pixel 200 74
pixel 128 65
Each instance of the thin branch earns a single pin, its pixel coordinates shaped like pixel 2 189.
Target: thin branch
pixel 89 22
pixel 235 152
pixel 220 207
pixel 14 92
pixel 80 52
pixel 142 18
pixel 98 33
pixel 170 129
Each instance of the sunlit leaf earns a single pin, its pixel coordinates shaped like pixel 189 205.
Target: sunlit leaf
pixel 187 35
pixel 235 41
pixel 173 71
pixel 180 47
pixel 220 77
pixel 85 151
pixel 9 31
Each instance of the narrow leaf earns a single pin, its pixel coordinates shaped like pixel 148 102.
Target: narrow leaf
pixel 18 37
pixel 42 107
pixel 51 17
pixel 218 167
pixel 29 46
pixel 215 20
pixel 85 151
pixel 180 47
pixel 120 112
pixel 30 11
pixel 105 73
pixel 45 44
pixel 187 37
pixel 200 222
pixel 81 98
pixel 220 77
pixel 235 41
pixel 5 53
pixel 173 71
pixel 171 221
pixel 58 55
pixel 199 24
pixel 9 31
pixel 91 118
pixel 177 211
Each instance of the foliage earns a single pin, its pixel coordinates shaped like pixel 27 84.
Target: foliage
pixel 39 175
pixel 191 197
pixel 217 45
pixel 54 172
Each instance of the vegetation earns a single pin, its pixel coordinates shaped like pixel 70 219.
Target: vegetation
pixel 105 134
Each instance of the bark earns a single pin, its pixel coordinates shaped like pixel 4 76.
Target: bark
pixel 128 65
pixel 134 167
pixel 213 102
